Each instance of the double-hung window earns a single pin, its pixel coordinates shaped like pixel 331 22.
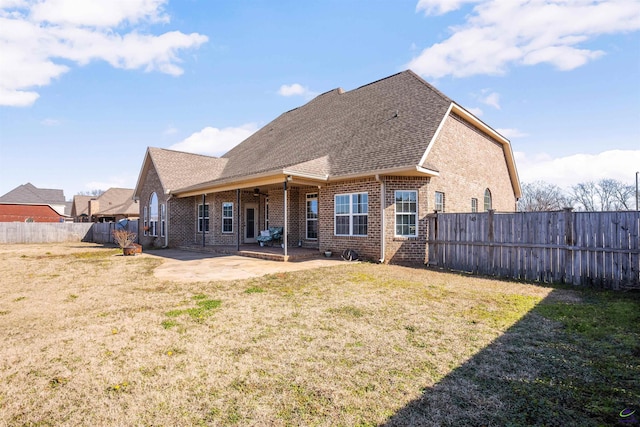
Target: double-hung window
pixel 163 219
pixel 474 205
pixel 312 216
pixel 227 217
pixel 406 213
pixel 145 220
pixel 439 205
pixel 351 214
pixel 203 218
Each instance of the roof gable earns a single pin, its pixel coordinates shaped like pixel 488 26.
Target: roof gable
pixel 383 125
pixel 178 169
pixel 28 193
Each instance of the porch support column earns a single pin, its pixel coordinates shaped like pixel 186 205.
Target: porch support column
pixel 203 227
pixel 286 225
pixel 238 219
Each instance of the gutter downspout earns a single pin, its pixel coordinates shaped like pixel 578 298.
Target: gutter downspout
pixel 382 225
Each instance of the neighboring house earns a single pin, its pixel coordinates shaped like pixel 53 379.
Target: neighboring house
pixel 32 197
pixel 111 206
pixel 349 170
pixel 12 212
pixel 80 208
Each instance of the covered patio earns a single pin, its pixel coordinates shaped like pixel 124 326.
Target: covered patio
pixel 253 250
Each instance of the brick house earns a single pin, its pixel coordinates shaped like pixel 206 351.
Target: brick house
pixel 28 203
pixel 111 206
pixel 348 170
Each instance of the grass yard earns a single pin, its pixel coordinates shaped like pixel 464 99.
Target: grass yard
pixel 89 337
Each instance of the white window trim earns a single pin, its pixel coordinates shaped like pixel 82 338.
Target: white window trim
pixel 474 201
pixel 199 218
pixel 153 225
pixel 227 217
pixel 306 222
pixel 163 220
pixel 145 220
pixel 350 214
pixel 443 205
pixel 395 216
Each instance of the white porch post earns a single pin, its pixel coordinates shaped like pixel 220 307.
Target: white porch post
pixel 285 228
pixel 238 219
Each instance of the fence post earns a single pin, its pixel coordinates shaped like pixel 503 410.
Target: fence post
pixel 569 241
pixel 433 246
pixel 491 239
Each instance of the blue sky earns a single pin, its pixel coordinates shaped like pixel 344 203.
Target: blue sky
pixel 86 86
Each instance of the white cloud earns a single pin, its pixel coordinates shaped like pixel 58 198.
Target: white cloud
pixel 50 122
pixel 491 99
pixel 126 180
pixel 571 170
pixel 475 111
pixel 215 142
pixel 171 130
pixel 99 13
pixel 35 35
pixel 499 34
pixel 439 7
pixel 296 89
pixel 510 133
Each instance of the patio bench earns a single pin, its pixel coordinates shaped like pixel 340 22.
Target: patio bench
pixel 273 234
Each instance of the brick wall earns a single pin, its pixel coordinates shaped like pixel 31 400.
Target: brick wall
pixel 469 162
pixel 151 184
pixel 368 247
pixel 405 249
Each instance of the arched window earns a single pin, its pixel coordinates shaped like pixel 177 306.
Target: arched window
pixel 153 214
pixel 487 200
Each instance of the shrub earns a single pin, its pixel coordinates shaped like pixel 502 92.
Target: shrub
pixel 124 238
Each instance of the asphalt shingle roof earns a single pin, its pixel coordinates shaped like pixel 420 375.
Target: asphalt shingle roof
pixel 178 169
pixel 382 125
pixel 29 193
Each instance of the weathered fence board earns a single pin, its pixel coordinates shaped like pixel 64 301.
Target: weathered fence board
pixel 44 232
pixel 600 249
pixel 102 232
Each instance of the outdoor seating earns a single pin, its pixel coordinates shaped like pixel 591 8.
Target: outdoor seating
pixel 270 236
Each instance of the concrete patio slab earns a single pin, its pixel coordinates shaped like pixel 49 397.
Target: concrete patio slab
pixel 185 266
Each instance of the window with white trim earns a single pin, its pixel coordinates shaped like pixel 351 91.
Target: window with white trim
pixel 439 205
pixel 312 216
pixel 227 217
pixel 163 219
pixel 406 213
pixel 203 218
pixel 487 200
pixel 351 214
pixel 474 205
pixel 153 214
pixel 145 220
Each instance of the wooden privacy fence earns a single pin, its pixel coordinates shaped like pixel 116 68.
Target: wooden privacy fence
pixel 600 249
pixel 43 232
pixel 102 231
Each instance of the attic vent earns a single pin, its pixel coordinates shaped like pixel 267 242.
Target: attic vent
pixel 340 91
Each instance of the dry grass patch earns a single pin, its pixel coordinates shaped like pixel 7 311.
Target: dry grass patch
pixel 91 337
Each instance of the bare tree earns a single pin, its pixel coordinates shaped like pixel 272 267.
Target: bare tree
pixel 94 193
pixel 605 195
pixel 541 196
